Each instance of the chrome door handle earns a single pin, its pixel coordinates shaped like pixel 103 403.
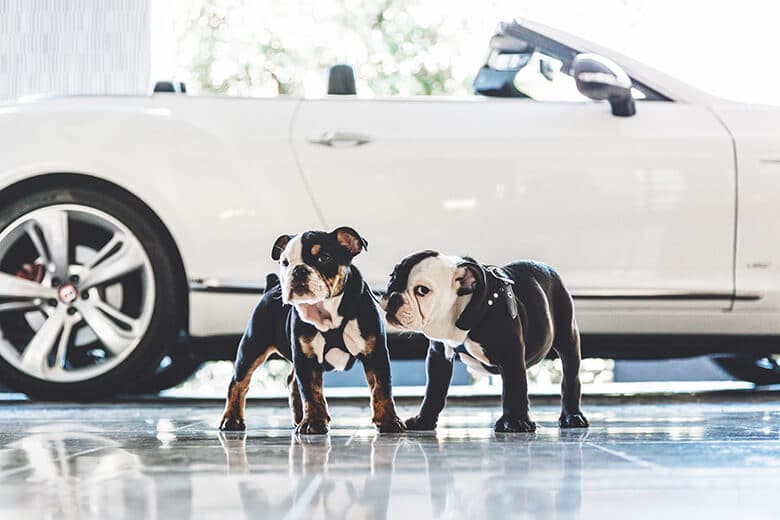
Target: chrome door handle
pixel 341 138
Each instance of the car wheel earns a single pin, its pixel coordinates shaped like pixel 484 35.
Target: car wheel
pixel 761 370
pixel 87 294
pixel 171 372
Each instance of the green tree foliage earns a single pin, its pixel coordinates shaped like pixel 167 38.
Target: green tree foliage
pixel 247 48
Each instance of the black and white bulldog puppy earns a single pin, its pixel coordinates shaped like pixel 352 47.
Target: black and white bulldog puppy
pixel 322 316
pixel 499 320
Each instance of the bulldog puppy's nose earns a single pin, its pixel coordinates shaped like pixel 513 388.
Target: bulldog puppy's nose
pixel 300 273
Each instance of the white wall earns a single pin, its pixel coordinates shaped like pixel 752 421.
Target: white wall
pixel 74 47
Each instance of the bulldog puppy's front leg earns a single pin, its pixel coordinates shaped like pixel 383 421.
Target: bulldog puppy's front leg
pixel 439 375
pixel 377 368
pixel 308 373
pixel 514 395
pixel 296 406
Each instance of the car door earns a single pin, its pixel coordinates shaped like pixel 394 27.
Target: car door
pixel 626 208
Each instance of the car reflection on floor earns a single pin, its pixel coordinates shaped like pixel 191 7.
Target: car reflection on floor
pixel 75 469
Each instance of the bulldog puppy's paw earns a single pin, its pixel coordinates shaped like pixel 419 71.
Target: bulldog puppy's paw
pixel 312 427
pixel 507 424
pixel 232 424
pixel 420 424
pixel 391 425
pixel 572 420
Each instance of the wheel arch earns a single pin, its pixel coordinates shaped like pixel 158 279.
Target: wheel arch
pixel 70 180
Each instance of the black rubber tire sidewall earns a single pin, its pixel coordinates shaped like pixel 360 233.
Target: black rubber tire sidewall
pixel 162 326
pixel 172 375
pixel 746 369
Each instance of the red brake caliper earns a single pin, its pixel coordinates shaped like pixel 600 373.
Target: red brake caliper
pixel 33 272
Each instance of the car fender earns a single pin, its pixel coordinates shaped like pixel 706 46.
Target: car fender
pixel 198 163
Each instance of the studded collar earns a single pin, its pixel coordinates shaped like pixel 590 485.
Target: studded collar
pixel 495 294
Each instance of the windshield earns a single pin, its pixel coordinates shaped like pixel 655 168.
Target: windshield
pixel 526 64
pixel 542 79
pixel 726 49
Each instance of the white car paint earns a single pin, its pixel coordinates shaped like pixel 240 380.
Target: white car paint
pixel 616 204
pixel 675 200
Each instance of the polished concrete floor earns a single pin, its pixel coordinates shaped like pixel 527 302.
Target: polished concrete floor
pixel 707 456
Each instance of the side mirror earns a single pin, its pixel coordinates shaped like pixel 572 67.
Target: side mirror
pixel 599 78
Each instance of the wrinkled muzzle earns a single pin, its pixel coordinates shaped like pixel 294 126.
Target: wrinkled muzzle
pixel 399 312
pixel 302 284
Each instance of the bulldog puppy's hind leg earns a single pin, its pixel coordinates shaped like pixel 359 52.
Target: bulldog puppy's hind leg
pixel 567 345
pixel 514 395
pixel 249 358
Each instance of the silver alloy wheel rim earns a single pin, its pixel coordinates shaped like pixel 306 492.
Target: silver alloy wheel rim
pixel 80 294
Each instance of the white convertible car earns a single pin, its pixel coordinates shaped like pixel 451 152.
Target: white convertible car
pixel 135 229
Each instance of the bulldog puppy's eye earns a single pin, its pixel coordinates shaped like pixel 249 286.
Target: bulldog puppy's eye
pixel 325 258
pixel 285 262
pixel 421 290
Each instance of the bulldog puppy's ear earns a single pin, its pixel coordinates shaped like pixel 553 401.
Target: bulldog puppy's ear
pixel 470 276
pixel 468 281
pixel 350 239
pixel 472 280
pixel 279 246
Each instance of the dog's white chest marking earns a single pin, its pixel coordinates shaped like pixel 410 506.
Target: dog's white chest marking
pixel 473 365
pixel 449 349
pixel 474 358
pixel 334 354
pixel 476 350
pixel 337 358
pixel 317 346
pixel 353 339
pixel 322 315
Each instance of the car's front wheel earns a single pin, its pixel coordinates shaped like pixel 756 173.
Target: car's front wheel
pixel 87 294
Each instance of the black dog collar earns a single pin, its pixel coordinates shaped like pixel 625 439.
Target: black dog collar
pixel 495 293
pixel 503 293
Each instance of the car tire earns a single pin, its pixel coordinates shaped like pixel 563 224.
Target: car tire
pixel 171 372
pixel 120 313
pixel 761 370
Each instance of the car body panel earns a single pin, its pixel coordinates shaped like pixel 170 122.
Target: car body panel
pixel 621 206
pixel 756 132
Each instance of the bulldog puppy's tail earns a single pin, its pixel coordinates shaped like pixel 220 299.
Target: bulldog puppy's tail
pixel 271 281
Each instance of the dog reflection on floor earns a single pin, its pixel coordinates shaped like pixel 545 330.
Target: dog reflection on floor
pixel 321 482
pixel 354 478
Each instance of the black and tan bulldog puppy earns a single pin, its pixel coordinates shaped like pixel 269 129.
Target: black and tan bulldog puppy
pixel 499 320
pixel 322 316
